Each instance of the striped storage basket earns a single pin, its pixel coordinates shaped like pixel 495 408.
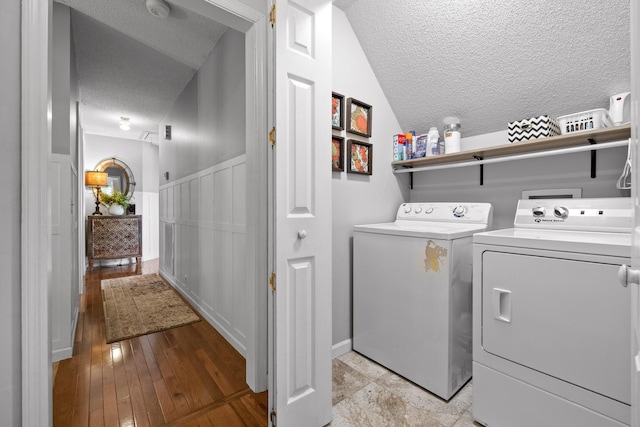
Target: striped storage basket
pixel 535 127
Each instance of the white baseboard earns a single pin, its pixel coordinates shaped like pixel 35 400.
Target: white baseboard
pixel 66 352
pixel 61 354
pixel 213 322
pixel 341 348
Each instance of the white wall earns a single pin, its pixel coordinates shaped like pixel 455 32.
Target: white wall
pixel 142 159
pixel 65 278
pixel 10 368
pixel 203 199
pixel 207 213
pixel 359 199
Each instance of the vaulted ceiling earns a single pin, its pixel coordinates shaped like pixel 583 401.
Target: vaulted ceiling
pixel 486 61
pixel 490 62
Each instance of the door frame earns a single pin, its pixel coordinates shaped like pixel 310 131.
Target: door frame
pixel 36 46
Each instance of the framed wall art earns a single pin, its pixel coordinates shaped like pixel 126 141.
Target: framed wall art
pixel 360 157
pixel 337 153
pixel 359 116
pixel 337 111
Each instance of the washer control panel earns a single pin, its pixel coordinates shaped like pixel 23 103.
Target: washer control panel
pixel 480 213
pixel 605 214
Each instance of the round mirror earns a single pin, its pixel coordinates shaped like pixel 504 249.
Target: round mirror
pixel 120 176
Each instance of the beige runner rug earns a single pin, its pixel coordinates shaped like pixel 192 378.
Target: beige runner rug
pixel 139 305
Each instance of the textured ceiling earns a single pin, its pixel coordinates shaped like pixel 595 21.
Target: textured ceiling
pixel 490 62
pixel 133 64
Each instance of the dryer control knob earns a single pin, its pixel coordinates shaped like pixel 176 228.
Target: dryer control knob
pixel 538 211
pixel 561 212
pixel 459 211
pixel 428 210
pixel 407 209
pixel 418 210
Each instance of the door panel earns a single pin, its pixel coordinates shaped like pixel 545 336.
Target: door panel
pixel 302 213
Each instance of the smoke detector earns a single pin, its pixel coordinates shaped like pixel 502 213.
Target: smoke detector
pixel 158 8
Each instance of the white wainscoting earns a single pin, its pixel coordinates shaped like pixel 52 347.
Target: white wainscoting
pixel 203 230
pixel 64 286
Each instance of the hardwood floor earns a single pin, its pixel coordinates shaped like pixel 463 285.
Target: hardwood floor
pixel 185 376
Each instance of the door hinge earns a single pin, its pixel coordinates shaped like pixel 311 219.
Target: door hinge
pixel 272 415
pixel 272 15
pixel 272 136
pixel 272 281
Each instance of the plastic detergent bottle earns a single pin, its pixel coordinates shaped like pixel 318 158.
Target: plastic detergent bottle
pixel 409 144
pixel 433 145
pixel 451 135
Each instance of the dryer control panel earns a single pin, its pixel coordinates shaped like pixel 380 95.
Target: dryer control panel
pixel 613 214
pixel 473 213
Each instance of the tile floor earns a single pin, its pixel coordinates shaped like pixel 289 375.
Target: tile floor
pixel 367 394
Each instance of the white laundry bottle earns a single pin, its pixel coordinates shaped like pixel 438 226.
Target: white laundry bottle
pixel 451 135
pixel 433 142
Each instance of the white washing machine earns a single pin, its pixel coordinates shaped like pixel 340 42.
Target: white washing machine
pixel 412 292
pixel 551 322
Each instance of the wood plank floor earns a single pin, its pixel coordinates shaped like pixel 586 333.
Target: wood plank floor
pixel 185 376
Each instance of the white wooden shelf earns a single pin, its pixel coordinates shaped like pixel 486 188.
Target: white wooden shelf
pixel 541 144
pixel 582 141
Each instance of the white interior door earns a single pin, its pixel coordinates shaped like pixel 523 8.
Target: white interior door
pixel 302 312
pixel 635 193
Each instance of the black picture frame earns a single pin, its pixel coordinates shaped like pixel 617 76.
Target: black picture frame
pixel 337 111
pixel 337 153
pixel 359 157
pixel 359 117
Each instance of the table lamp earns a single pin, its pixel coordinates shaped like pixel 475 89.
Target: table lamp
pixel 96 180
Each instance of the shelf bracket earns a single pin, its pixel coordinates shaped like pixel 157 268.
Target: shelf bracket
pixel 593 158
pixel 481 170
pixel 411 180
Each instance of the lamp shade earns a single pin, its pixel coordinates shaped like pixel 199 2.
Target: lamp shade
pixel 95 179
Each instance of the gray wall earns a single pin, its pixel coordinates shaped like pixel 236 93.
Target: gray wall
pixel 64 86
pixel 504 182
pixel 208 117
pixel 10 380
pixel 359 199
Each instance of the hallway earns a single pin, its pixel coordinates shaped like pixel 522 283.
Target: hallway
pixel 185 376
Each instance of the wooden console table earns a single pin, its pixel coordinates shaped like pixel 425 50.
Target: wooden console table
pixel 114 237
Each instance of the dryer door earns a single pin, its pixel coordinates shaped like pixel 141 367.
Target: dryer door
pixel 565 318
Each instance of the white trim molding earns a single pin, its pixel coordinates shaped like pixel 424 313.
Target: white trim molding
pixel 35 250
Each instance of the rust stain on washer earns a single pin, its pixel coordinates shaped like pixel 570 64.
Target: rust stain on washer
pixel 435 256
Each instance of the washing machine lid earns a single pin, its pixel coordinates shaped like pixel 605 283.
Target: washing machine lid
pixel 423 229
pixel 435 220
pixel 596 243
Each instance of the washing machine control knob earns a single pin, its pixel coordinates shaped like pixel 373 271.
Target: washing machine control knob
pixel 428 210
pixel 459 211
pixel 407 209
pixel 418 210
pixel 538 211
pixel 561 212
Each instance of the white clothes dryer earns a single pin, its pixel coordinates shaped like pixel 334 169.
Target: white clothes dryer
pixel 412 292
pixel 551 323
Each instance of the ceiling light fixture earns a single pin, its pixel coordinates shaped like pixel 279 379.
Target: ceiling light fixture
pixel 158 8
pixel 124 123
